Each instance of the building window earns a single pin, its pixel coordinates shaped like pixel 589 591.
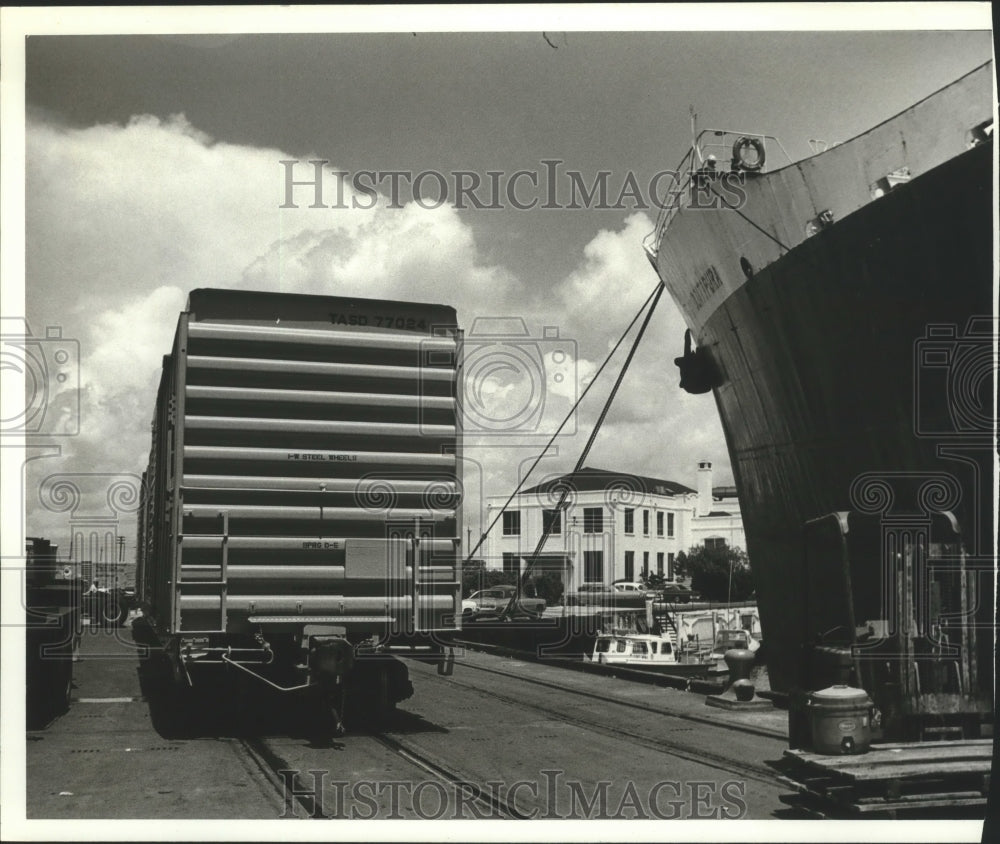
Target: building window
pixel 715 542
pixel 659 524
pixel 630 566
pixel 511 564
pixel 593 566
pixel 659 562
pixel 670 565
pixel 512 523
pixel 645 564
pixel 670 524
pixel 593 520
pixel 629 520
pixel 645 522
pixel 552 522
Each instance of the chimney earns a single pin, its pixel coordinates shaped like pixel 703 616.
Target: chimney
pixel 704 488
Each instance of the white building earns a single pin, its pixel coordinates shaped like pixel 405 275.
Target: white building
pixel 718 520
pixel 613 525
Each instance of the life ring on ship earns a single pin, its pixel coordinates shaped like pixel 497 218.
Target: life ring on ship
pixel 741 161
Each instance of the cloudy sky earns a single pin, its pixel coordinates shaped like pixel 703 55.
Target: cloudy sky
pixel 153 167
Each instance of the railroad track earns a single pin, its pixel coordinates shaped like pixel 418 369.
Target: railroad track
pixel 606 698
pixel 411 762
pixel 496 806
pixel 694 753
pixel 492 805
pixel 271 765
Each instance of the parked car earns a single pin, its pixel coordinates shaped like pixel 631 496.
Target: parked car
pixel 621 594
pixel 629 587
pixel 493 600
pixel 589 593
pixel 678 593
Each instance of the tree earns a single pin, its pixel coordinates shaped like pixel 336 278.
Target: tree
pixel 717 574
pixel 548 585
pixel 475 576
pixel 541 584
pixel 653 581
pixel 680 566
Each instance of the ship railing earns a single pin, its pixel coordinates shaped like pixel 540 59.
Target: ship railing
pixel 719 144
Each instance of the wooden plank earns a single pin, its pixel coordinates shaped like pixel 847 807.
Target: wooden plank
pixel 914 798
pixel 960 767
pixel 901 756
pixel 918 745
pixel 986 743
pixel 803 804
pixel 811 781
pixel 900 806
pixel 869 766
pixel 838 791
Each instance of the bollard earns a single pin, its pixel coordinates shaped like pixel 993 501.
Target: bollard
pixel 740 694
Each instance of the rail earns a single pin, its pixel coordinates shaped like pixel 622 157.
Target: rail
pixel 694 163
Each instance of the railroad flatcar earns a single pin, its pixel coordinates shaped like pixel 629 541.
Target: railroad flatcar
pixel 300 519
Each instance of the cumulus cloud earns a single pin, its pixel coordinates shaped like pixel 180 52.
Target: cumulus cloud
pixel 124 220
pixel 653 427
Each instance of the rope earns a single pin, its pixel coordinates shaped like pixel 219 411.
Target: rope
pixel 569 416
pixel 547 529
pixel 745 217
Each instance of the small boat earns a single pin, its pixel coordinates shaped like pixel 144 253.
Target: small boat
pixel 644 651
pixel 637 641
pixel 740 639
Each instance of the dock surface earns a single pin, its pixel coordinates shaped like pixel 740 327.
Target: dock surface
pixel 499 738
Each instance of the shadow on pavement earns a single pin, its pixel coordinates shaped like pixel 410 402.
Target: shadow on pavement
pixel 225 702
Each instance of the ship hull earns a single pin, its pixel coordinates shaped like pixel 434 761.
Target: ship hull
pixel 825 391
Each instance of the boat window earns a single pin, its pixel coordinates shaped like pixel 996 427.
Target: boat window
pixel 652 645
pixel 729 639
pixel 666 648
pixel 621 646
pixel 639 648
pixel 603 646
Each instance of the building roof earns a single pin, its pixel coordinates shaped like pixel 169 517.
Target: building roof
pixel 589 479
pixel 723 492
